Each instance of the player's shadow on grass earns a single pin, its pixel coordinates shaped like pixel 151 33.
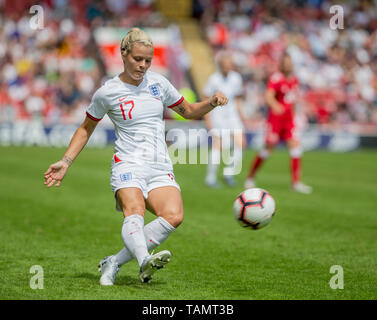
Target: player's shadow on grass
pixel 123 280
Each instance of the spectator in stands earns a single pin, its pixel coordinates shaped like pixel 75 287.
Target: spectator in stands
pixel 62 56
pixel 333 66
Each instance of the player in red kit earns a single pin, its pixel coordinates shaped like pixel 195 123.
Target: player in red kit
pixel 281 92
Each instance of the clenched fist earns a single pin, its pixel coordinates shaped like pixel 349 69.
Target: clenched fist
pixel 218 99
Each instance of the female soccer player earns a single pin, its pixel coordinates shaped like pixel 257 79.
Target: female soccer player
pixel 141 170
pixel 229 120
pixel 280 97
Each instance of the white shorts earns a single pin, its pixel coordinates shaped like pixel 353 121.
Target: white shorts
pixel 125 175
pixel 233 123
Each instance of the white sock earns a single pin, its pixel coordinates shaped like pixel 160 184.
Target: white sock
pixel 264 153
pixel 155 232
pixel 295 152
pixel 133 237
pixel 213 165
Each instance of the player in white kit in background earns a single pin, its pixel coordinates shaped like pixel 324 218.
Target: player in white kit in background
pixel 225 121
pixel 141 170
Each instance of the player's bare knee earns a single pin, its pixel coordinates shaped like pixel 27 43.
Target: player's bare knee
pixel 294 144
pixel 174 217
pixel 133 209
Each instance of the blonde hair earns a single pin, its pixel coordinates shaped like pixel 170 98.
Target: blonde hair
pixel 132 36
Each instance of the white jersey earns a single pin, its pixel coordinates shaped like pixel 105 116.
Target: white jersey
pixel 137 114
pixel 231 86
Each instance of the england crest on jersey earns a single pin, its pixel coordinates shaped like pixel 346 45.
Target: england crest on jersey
pixel 154 89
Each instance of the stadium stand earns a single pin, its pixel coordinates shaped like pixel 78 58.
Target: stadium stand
pixel 337 68
pixel 52 73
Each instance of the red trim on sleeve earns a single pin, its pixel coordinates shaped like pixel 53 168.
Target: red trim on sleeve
pixel 91 117
pixel 116 159
pixel 177 103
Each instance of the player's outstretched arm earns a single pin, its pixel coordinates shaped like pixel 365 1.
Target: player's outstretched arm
pixel 199 109
pixel 56 172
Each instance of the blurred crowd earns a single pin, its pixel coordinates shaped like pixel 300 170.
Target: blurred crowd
pixel 51 73
pixel 337 69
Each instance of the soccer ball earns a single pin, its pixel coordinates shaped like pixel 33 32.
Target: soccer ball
pixel 254 208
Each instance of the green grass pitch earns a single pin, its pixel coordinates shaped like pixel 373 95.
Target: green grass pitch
pixel 67 230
